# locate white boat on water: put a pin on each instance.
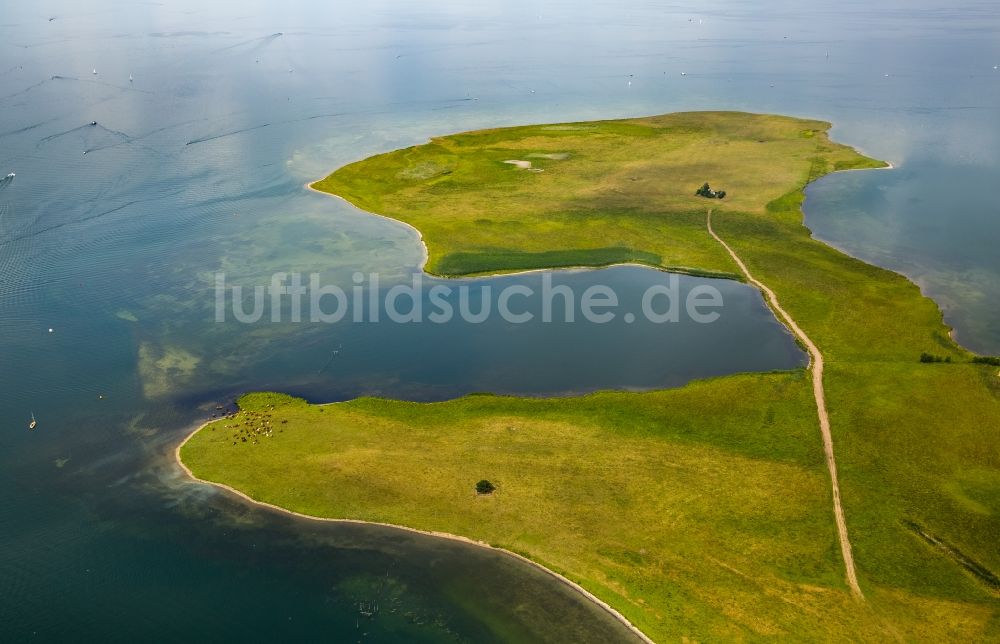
(33, 422)
(10, 175)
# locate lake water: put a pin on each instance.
(111, 233)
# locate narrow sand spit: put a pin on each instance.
(816, 366)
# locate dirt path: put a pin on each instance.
(816, 367)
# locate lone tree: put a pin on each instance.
(485, 487)
(706, 191)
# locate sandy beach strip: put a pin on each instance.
(440, 535)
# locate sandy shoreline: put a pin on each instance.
(420, 235)
(445, 535)
(888, 166)
(680, 270)
(951, 330)
(441, 535)
(422, 266)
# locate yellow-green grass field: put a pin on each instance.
(700, 512)
(608, 192)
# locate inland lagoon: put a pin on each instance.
(185, 156)
(609, 465)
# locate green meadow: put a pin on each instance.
(702, 512)
(595, 194)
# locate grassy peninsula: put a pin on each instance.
(700, 512)
(588, 194)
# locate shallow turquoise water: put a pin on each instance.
(110, 235)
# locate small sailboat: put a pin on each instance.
(33, 422)
(130, 78)
(95, 71)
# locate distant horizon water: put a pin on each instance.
(155, 145)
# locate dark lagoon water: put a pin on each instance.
(110, 236)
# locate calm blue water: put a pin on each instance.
(110, 235)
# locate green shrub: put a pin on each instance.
(706, 191)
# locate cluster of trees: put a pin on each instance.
(707, 192)
(485, 487)
(990, 360)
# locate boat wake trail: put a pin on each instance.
(140, 137)
(26, 89)
(225, 134)
(26, 128)
(62, 224)
(311, 117)
(51, 137)
(91, 130)
(261, 42)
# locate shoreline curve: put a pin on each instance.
(569, 583)
(425, 256)
(422, 266)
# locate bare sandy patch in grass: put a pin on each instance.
(524, 165)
